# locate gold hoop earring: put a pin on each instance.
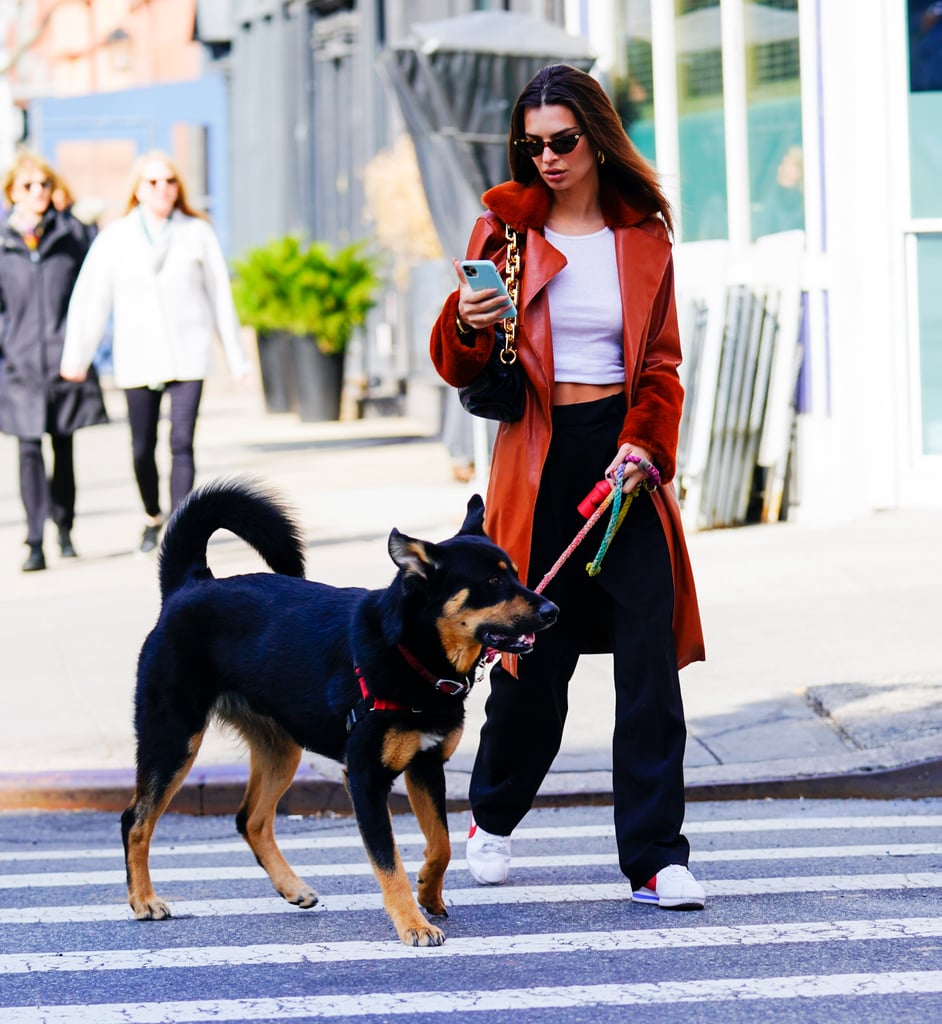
(600, 156)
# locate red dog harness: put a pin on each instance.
(450, 687)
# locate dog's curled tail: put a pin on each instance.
(245, 508)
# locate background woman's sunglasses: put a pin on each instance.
(534, 147)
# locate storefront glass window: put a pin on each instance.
(773, 97)
(701, 126)
(929, 262)
(925, 156)
(925, 106)
(633, 85)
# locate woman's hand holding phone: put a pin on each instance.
(482, 298)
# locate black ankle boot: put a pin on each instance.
(65, 543)
(36, 559)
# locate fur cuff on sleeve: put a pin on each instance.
(458, 358)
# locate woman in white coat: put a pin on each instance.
(161, 271)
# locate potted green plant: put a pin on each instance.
(305, 300)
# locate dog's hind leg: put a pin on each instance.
(160, 773)
(425, 784)
(274, 761)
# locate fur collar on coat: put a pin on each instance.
(528, 206)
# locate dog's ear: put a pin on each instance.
(474, 519)
(411, 555)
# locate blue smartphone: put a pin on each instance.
(483, 274)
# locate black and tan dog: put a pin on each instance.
(373, 679)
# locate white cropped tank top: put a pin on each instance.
(585, 310)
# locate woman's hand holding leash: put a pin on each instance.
(636, 469)
(639, 469)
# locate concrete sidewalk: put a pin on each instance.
(824, 675)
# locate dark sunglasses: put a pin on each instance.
(561, 145)
(154, 182)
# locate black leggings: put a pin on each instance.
(143, 416)
(626, 609)
(47, 498)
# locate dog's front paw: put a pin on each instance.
(430, 895)
(435, 906)
(422, 935)
(153, 909)
(304, 898)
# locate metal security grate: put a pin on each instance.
(742, 353)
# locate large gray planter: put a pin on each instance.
(276, 360)
(318, 379)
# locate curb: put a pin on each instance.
(219, 790)
(901, 782)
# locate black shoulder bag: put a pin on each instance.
(499, 390)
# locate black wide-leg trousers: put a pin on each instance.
(626, 609)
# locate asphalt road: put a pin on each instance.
(817, 911)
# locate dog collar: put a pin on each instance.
(450, 687)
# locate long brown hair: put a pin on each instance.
(137, 174)
(620, 163)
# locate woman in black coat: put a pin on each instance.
(41, 250)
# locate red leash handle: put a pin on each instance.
(594, 498)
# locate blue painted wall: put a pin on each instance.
(146, 116)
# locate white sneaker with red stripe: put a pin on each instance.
(672, 888)
(488, 856)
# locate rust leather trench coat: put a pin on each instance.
(652, 386)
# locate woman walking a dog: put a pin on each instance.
(162, 272)
(597, 341)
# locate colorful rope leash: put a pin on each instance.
(622, 504)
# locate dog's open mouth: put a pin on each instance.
(510, 643)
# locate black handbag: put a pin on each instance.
(499, 391)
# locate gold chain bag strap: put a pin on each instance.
(508, 354)
(499, 390)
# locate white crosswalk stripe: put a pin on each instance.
(574, 892)
(374, 1004)
(510, 945)
(73, 937)
(723, 826)
(73, 879)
